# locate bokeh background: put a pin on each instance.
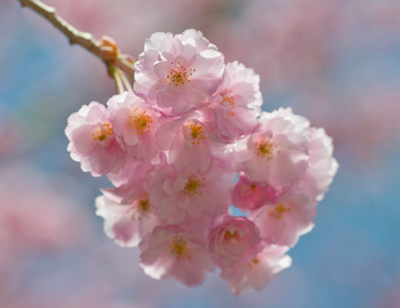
(337, 62)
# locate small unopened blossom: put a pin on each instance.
(177, 72)
(247, 195)
(254, 274)
(92, 140)
(237, 101)
(170, 253)
(135, 124)
(235, 239)
(283, 222)
(277, 152)
(322, 165)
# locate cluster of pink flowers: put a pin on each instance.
(173, 147)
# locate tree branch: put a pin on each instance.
(106, 49)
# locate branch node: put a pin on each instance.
(106, 49)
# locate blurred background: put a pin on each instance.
(336, 62)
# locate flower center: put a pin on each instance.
(231, 236)
(279, 211)
(141, 206)
(179, 248)
(140, 120)
(144, 204)
(254, 187)
(193, 185)
(253, 262)
(197, 132)
(102, 133)
(228, 102)
(179, 75)
(265, 148)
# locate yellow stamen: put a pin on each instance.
(102, 133)
(229, 100)
(265, 148)
(193, 185)
(253, 262)
(179, 75)
(228, 235)
(197, 131)
(179, 248)
(142, 206)
(279, 211)
(140, 120)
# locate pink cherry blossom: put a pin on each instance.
(235, 239)
(178, 194)
(283, 222)
(237, 101)
(92, 141)
(177, 72)
(322, 166)
(169, 253)
(135, 124)
(125, 174)
(256, 273)
(277, 151)
(188, 141)
(247, 195)
(127, 210)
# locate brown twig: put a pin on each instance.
(105, 50)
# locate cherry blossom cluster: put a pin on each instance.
(173, 149)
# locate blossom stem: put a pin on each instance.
(84, 39)
(119, 87)
(125, 80)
